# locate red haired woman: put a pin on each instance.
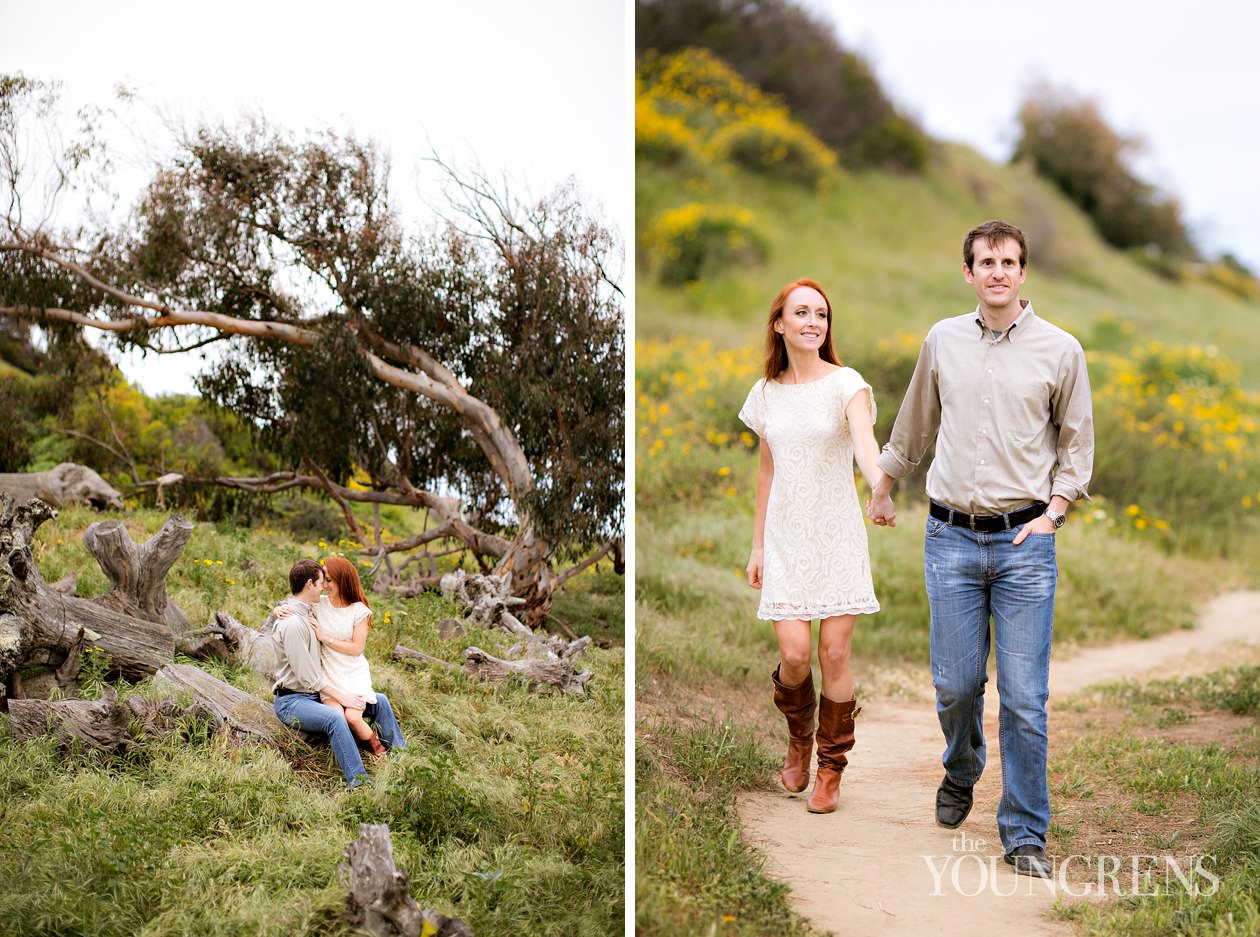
(809, 553)
(342, 620)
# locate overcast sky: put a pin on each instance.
(1184, 77)
(539, 91)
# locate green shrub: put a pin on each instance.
(893, 143)
(775, 146)
(696, 240)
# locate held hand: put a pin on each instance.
(754, 569)
(879, 508)
(1038, 525)
(349, 700)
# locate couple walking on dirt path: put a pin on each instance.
(1005, 397)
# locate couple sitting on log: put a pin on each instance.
(323, 684)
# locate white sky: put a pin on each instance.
(1183, 77)
(538, 91)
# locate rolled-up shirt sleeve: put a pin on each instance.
(1072, 412)
(918, 419)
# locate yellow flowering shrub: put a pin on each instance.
(1178, 441)
(696, 239)
(690, 101)
(775, 146)
(663, 139)
(690, 444)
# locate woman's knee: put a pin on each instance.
(834, 655)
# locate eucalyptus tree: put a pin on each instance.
(472, 366)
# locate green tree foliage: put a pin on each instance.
(790, 52)
(1068, 142)
(514, 300)
(482, 359)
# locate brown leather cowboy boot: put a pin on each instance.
(372, 745)
(835, 737)
(797, 703)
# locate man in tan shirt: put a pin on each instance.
(1005, 396)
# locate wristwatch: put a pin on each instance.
(1057, 519)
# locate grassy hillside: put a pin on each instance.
(1176, 515)
(888, 249)
(506, 809)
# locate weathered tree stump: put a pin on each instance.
(487, 597)
(93, 723)
(138, 571)
(40, 627)
(379, 899)
(550, 673)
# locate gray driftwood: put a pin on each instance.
(380, 901)
(137, 572)
(240, 716)
(94, 723)
(553, 672)
(42, 628)
(402, 652)
(68, 483)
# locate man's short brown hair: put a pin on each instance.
(304, 571)
(995, 232)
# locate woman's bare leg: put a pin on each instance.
(835, 639)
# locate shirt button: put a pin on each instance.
(988, 371)
(986, 399)
(982, 461)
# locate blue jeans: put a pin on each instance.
(972, 577)
(304, 711)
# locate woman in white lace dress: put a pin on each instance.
(809, 555)
(342, 620)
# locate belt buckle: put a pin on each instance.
(971, 522)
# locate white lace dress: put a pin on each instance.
(817, 562)
(347, 672)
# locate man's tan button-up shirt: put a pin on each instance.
(1012, 417)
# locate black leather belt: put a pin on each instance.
(284, 691)
(987, 523)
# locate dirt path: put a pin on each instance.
(881, 866)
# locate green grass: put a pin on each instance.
(703, 877)
(1197, 795)
(506, 809)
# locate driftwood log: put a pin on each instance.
(68, 483)
(187, 691)
(41, 629)
(98, 723)
(240, 716)
(551, 673)
(380, 901)
(544, 663)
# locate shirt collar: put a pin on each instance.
(1025, 315)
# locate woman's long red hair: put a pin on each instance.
(341, 571)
